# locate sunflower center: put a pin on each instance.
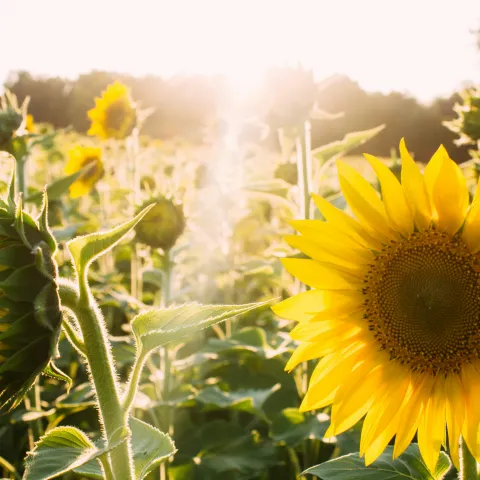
(116, 114)
(423, 302)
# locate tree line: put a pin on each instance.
(183, 106)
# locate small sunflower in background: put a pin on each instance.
(394, 313)
(79, 158)
(29, 123)
(115, 113)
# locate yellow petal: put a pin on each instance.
(354, 397)
(471, 230)
(415, 189)
(327, 234)
(394, 200)
(328, 375)
(433, 169)
(325, 331)
(470, 377)
(324, 252)
(381, 422)
(321, 276)
(313, 303)
(450, 197)
(455, 415)
(410, 413)
(371, 215)
(346, 224)
(431, 429)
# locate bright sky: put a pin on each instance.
(424, 47)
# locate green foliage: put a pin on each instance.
(62, 450)
(409, 466)
(156, 328)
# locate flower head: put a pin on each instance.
(162, 225)
(79, 158)
(394, 313)
(30, 315)
(12, 119)
(114, 115)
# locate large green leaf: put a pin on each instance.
(63, 449)
(149, 445)
(349, 142)
(408, 466)
(88, 248)
(291, 427)
(159, 327)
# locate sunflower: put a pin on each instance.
(394, 309)
(79, 158)
(114, 115)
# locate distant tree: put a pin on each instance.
(183, 105)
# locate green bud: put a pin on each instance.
(162, 225)
(30, 314)
(12, 119)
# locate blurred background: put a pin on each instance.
(402, 64)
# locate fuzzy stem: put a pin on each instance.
(166, 299)
(133, 382)
(103, 374)
(468, 464)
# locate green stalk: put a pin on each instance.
(468, 464)
(167, 367)
(103, 374)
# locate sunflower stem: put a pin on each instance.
(167, 367)
(102, 371)
(468, 464)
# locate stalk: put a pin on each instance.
(167, 367)
(103, 374)
(304, 166)
(468, 464)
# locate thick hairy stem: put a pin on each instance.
(468, 464)
(103, 374)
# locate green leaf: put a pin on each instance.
(150, 447)
(57, 188)
(86, 249)
(61, 450)
(156, 328)
(250, 400)
(408, 466)
(352, 140)
(291, 427)
(82, 396)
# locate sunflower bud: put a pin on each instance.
(162, 225)
(30, 315)
(11, 120)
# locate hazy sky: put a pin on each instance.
(424, 47)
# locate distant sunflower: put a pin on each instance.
(114, 115)
(395, 308)
(80, 157)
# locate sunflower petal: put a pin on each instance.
(455, 415)
(318, 275)
(431, 429)
(396, 205)
(450, 197)
(415, 189)
(471, 230)
(346, 224)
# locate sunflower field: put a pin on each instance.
(223, 310)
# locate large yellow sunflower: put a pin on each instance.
(114, 115)
(79, 158)
(394, 310)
